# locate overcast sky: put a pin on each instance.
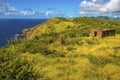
(58, 8)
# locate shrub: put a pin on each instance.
(52, 53)
(92, 41)
(17, 69)
(98, 61)
(70, 48)
(14, 68)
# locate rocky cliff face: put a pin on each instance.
(25, 31)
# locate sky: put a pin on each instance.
(58, 8)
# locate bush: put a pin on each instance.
(70, 48)
(98, 61)
(82, 41)
(14, 68)
(52, 53)
(93, 41)
(17, 70)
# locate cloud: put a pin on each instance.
(8, 10)
(27, 12)
(111, 6)
(52, 12)
(100, 7)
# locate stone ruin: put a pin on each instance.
(102, 33)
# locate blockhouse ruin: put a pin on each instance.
(102, 33)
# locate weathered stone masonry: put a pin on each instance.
(102, 33)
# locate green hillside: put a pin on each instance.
(61, 49)
(77, 26)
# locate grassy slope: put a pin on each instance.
(87, 62)
(59, 49)
(79, 25)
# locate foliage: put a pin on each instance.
(73, 26)
(14, 68)
(60, 49)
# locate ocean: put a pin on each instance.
(10, 27)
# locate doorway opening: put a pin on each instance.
(95, 34)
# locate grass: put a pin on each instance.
(61, 53)
(78, 64)
(98, 62)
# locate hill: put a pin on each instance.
(78, 26)
(107, 18)
(60, 49)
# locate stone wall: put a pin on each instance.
(102, 33)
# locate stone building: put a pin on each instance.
(102, 33)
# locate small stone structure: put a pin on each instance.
(102, 33)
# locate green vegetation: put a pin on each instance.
(60, 49)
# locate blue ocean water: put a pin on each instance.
(10, 27)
